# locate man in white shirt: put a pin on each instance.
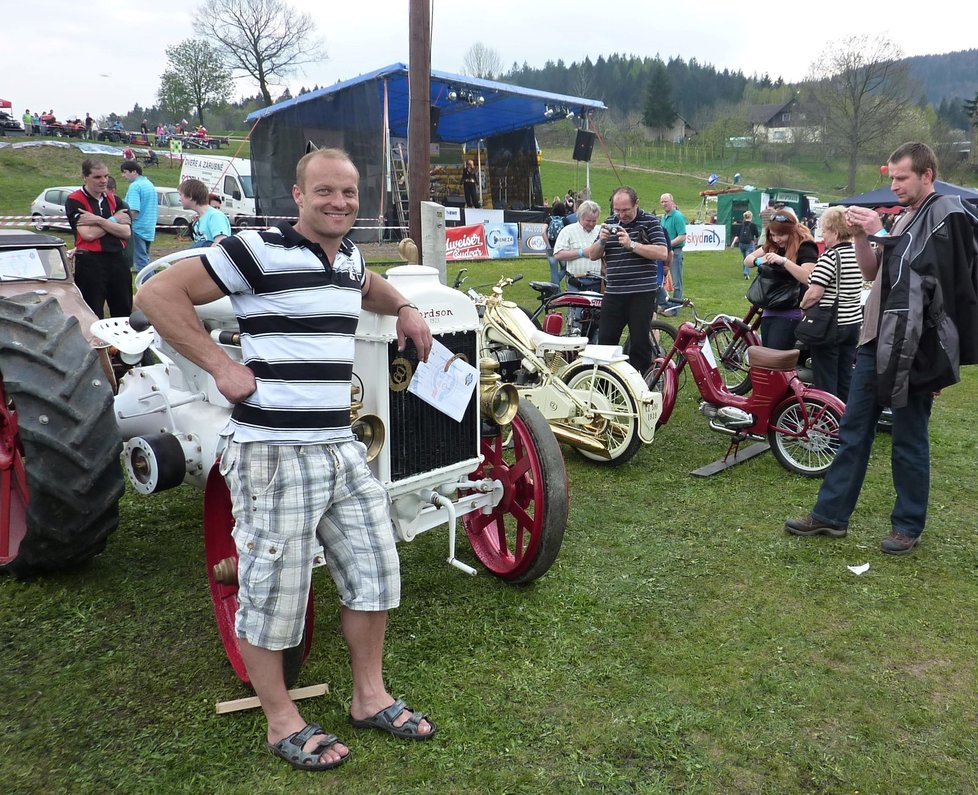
(572, 246)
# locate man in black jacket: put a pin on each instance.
(906, 286)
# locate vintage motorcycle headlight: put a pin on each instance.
(368, 428)
(500, 402)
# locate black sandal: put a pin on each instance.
(290, 749)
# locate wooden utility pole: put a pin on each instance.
(419, 113)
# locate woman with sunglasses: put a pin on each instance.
(789, 253)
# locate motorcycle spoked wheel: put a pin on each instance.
(520, 539)
(662, 335)
(617, 422)
(809, 454)
(218, 546)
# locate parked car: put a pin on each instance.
(171, 212)
(51, 202)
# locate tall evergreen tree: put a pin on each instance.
(660, 111)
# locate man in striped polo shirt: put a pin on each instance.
(295, 471)
(631, 241)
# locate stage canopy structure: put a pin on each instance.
(368, 117)
(884, 197)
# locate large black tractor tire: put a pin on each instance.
(67, 435)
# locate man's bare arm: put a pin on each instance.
(168, 299)
(380, 296)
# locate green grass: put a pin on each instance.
(682, 642)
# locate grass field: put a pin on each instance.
(682, 642)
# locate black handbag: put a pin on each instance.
(772, 288)
(818, 324)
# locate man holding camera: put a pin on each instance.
(630, 241)
(572, 247)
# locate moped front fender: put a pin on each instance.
(648, 404)
(801, 391)
(666, 385)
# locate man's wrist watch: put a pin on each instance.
(631, 245)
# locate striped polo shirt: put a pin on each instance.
(851, 281)
(297, 313)
(627, 271)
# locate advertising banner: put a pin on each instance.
(705, 237)
(533, 239)
(466, 243)
(503, 240)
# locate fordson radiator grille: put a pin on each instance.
(422, 438)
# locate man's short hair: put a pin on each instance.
(195, 190)
(628, 191)
(588, 207)
(213, 197)
(89, 164)
(921, 157)
(329, 154)
(131, 165)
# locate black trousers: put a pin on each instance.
(635, 311)
(104, 278)
(471, 195)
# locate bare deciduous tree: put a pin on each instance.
(863, 90)
(264, 39)
(482, 61)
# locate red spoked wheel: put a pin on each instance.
(520, 539)
(220, 552)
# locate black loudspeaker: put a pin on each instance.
(434, 114)
(583, 145)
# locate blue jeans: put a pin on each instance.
(745, 249)
(140, 252)
(677, 274)
(909, 461)
(557, 269)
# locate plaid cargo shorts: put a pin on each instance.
(283, 498)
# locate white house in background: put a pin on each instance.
(680, 130)
(785, 122)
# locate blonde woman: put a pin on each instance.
(836, 273)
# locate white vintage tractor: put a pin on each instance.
(499, 470)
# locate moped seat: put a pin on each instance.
(548, 342)
(545, 288)
(772, 359)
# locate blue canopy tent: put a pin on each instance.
(365, 115)
(884, 197)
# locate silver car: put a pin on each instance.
(50, 204)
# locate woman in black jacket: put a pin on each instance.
(788, 254)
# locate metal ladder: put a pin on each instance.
(400, 187)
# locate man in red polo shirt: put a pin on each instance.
(101, 223)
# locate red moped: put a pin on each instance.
(800, 423)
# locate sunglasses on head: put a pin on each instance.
(780, 218)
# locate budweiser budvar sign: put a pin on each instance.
(465, 243)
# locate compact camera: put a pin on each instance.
(612, 229)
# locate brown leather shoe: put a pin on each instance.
(810, 526)
(899, 544)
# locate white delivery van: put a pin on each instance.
(229, 178)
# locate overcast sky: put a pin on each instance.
(101, 56)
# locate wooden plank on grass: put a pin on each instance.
(252, 702)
